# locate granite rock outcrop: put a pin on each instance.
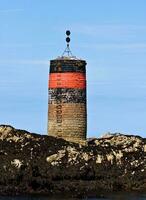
(33, 163)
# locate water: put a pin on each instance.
(115, 196)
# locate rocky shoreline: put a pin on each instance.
(32, 163)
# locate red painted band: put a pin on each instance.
(67, 80)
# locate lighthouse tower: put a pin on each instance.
(67, 113)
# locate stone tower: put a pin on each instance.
(67, 113)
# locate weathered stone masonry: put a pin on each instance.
(67, 115)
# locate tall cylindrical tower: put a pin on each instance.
(67, 114)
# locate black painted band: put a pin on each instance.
(65, 95)
(67, 66)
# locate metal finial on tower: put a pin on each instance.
(67, 50)
(68, 38)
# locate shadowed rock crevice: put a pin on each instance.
(32, 163)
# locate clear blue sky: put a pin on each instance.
(110, 35)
